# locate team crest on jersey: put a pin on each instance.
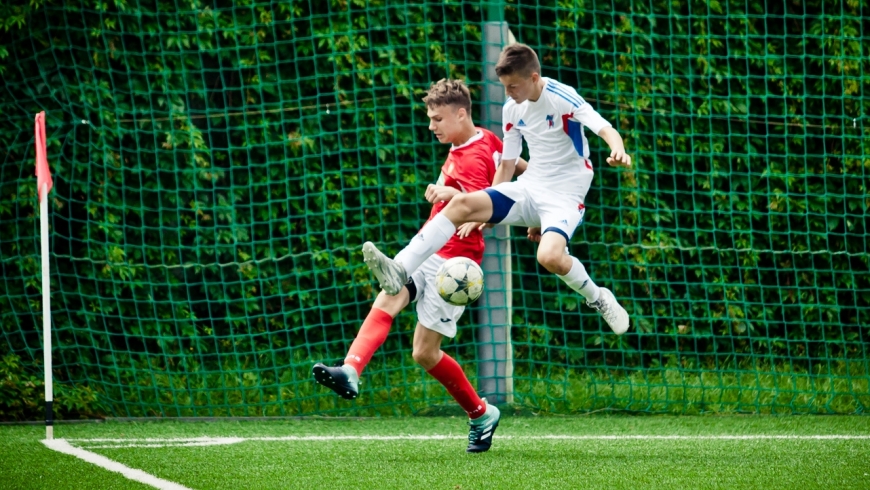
(550, 122)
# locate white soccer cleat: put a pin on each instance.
(389, 273)
(614, 314)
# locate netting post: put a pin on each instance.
(494, 352)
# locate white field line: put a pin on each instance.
(62, 446)
(215, 441)
(107, 443)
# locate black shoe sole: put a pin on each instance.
(322, 376)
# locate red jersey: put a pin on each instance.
(469, 167)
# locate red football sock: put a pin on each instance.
(448, 372)
(371, 335)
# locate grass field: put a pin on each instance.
(611, 452)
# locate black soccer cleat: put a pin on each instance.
(481, 431)
(336, 379)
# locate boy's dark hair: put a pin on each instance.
(449, 92)
(517, 59)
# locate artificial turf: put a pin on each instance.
(520, 457)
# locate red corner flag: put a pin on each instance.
(43, 174)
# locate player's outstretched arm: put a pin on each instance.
(618, 157)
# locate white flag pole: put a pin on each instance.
(46, 313)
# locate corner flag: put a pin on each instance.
(44, 184)
(43, 174)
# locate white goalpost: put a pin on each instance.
(494, 352)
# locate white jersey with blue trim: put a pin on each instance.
(553, 128)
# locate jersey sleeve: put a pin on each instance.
(513, 139)
(496, 143)
(590, 118)
(580, 110)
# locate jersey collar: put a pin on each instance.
(543, 89)
(476, 137)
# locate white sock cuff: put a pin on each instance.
(576, 268)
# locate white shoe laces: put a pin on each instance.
(605, 307)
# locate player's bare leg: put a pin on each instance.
(553, 256)
(465, 208)
(392, 274)
(427, 347)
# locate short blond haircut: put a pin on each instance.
(449, 92)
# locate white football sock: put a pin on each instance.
(431, 238)
(579, 281)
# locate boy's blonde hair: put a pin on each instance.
(449, 92)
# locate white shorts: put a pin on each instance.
(520, 203)
(432, 311)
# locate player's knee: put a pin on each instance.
(427, 358)
(459, 206)
(551, 260)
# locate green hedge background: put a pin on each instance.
(217, 167)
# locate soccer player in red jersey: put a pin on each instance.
(470, 166)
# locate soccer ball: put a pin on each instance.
(459, 281)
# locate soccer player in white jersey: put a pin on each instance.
(549, 197)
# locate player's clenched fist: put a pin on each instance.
(438, 193)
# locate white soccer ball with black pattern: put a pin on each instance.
(459, 281)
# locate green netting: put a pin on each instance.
(217, 167)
